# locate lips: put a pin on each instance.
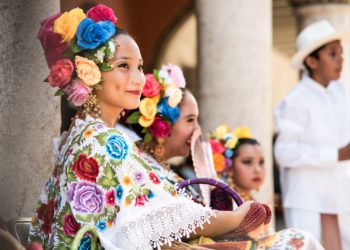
(134, 92)
(257, 179)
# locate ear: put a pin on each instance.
(312, 62)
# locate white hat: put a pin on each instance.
(312, 37)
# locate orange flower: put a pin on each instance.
(219, 162)
(67, 24)
(87, 71)
(145, 122)
(88, 132)
(126, 180)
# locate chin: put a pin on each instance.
(132, 105)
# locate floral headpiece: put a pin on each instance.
(77, 48)
(158, 108)
(223, 143)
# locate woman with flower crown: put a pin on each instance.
(100, 179)
(168, 132)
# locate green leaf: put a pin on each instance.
(84, 218)
(66, 239)
(133, 118)
(70, 174)
(130, 197)
(108, 179)
(155, 73)
(87, 150)
(100, 159)
(73, 45)
(59, 92)
(145, 192)
(102, 138)
(142, 162)
(148, 137)
(105, 66)
(66, 210)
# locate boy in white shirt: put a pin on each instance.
(312, 147)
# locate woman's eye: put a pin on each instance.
(247, 162)
(140, 68)
(123, 65)
(262, 163)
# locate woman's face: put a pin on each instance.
(122, 87)
(179, 141)
(249, 167)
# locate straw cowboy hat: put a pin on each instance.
(313, 37)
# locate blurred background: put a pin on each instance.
(234, 53)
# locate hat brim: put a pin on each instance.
(299, 56)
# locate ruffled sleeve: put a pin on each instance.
(109, 185)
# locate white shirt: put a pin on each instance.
(312, 123)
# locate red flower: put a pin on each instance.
(141, 200)
(160, 128)
(110, 197)
(61, 73)
(297, 243)
(101, 12)
(154, 178)
(216, 146)
(86, 168)
(70, 225)
(46, 214)
(152, 86)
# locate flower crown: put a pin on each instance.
(223, 143)
(77, 48)
(160, 98)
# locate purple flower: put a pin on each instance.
(139, 177)
(86, 197)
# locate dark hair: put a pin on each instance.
(241, 142)
(315, 54)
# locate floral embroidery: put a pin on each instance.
(139, 177)
(140, 200)
(116, 147)
(88, 132)
(126, 180)
(86, 168)
(101, 226)
(86, 197)
(119, 192)
(110, 197)
(70, 225)
(154, 178)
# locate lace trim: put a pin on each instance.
(161, 227)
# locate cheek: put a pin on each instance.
(242, 175)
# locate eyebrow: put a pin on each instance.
(126, 58)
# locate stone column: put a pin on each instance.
(29, 112)
(234, 60)
(338, 14)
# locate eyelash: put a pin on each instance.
(125, 65)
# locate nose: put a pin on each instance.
(138, 78)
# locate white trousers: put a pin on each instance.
(311, 221)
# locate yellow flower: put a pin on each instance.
(221, 131)
(148, 108)
(231, 143)
(268, 240)
(144, 122)
(242, 132)
(175, 96)
(126, 180)
(219, 162)
(66, 25)
(88, 132)
(87, 71)
(155, 99)
(127, 202)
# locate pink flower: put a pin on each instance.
(101, 12)
(70, 225)
(61, 73)
(141, 200)
(160, 128)
(110, 197)
(152, 86)
(216, 146)
(175, 73)
(50, 41)
(77, 92)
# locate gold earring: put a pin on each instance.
(91, 107)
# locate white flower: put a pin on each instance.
(100, 54)
(111, 47)
(164, 77)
